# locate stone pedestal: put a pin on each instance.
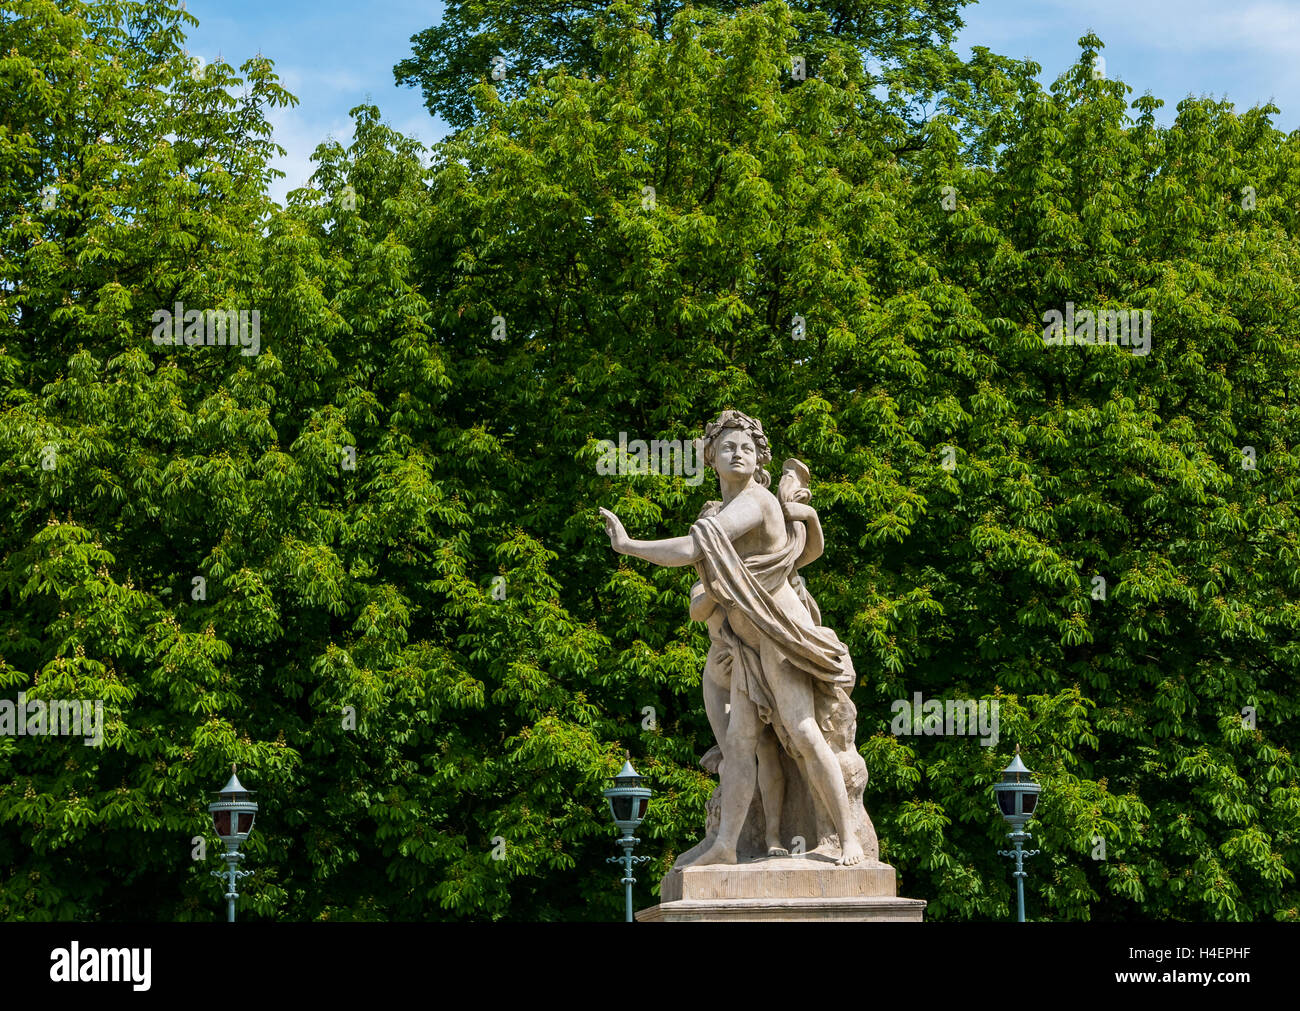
(810, 887)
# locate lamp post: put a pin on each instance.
(232, 817)
(1017, 797)
(628, 800)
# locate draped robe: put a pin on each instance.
(746, 586)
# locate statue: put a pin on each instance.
(776, 682)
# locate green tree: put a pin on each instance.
(510, 43)
(412, 633)
(132, 180)
(924, 314)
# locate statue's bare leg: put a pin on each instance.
(792, 692)
(771, 787)
(738, 780)
(717, 692)
(828, 784)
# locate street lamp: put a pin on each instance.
(628, 800)
(232, 817)
(1017, 797)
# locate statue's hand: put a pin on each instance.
(798, 511)
(618, 538)
(702, 605)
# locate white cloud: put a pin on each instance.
(1187, 26)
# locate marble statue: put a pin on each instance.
(776, 681)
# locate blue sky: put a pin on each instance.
(334, 55)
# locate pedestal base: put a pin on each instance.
(808, 887)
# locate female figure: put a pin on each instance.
(778, 657)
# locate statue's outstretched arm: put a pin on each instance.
(740, 517)
(671, 551)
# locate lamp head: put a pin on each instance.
(233, 812)
(628, 799)
(1017, 793)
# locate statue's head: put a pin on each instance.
(735, 444)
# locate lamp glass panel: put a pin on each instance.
(1030, 802)
(221, 822)
(1007, 802)
(640, 812)
(622, 808)
(245, 823)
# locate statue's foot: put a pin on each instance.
(777, 851)
(716, 854)
(850, 854)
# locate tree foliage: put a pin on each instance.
(412, 634)
(906, 43)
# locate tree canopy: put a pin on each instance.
(366, 562)
(905, 41)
